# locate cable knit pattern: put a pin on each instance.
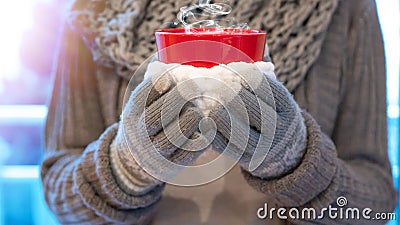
(124, 31)
(296, 31)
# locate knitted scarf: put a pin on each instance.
(120, 33)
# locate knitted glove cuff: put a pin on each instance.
(130, 176)
(95, 175)
(314, 174)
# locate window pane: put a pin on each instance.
(389, 16)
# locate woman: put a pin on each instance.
(332, 138)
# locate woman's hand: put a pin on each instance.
(262, 125)
(160, 129)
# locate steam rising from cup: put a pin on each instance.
(208, 15)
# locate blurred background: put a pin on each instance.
(27, 46)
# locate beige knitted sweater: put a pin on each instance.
(346, 154)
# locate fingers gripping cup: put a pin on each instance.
(207, 47)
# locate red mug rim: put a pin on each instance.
(209, 31)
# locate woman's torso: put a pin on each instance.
(230, 200)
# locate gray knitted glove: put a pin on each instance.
(269, 105)
(152, 119)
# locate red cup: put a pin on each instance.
(207, 47)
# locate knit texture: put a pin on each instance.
(122, 31)
(154, 118)
(346, 142)
(323, 169)
(276, 127)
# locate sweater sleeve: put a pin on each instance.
(353, 162)
(78, 181)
